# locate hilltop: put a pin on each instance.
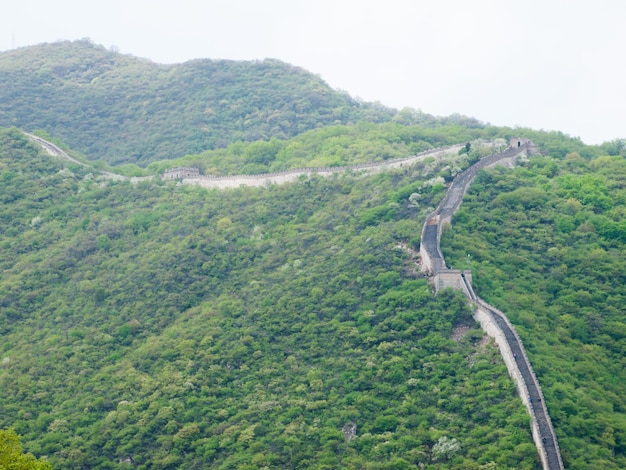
(124, 109)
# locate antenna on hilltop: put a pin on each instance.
(13, 42)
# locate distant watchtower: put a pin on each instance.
(180, 173)
(518, 141)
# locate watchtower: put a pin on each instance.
(181, 173)
(518, 141)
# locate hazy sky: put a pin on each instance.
(545, 64)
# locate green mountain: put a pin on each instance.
(123, 109)
(175, 327)
(156, 325)
(164, 326)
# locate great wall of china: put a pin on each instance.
(192, 176)
(235, 181)
(492, 321)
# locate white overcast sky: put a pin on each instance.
(546, 64)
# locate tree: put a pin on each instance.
(11, 455)
(445, 448)
(614, 147)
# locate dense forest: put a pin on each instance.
(159, 325)
(155, 325)
(167, 326)
(122, 109)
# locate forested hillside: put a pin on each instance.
(161, 326)
(547, 246)
(155, 325)
(338, 145)
(123, 109)
(346, 145)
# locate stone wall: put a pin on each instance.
(430, 252)
(492, 321)
(498, 326)
(235, 181)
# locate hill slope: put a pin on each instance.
(174, 327)
(548, 247)
(122, 109)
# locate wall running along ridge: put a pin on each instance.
(492, 321)
(235, 181)
(263, 179)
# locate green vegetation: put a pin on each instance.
(547, 243)
(163, 326)
(122, 109)
(11, 456)
(175, 327)
(327, 147)
(343, 145)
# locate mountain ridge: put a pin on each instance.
(177, 327)
(124, 109)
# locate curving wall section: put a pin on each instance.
(235, 181)
(492, 321)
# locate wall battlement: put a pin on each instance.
(455, 279)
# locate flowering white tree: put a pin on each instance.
(445, 448)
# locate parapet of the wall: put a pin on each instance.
(483, 315)
(425, 261)
(509, 161)
(489, 326)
